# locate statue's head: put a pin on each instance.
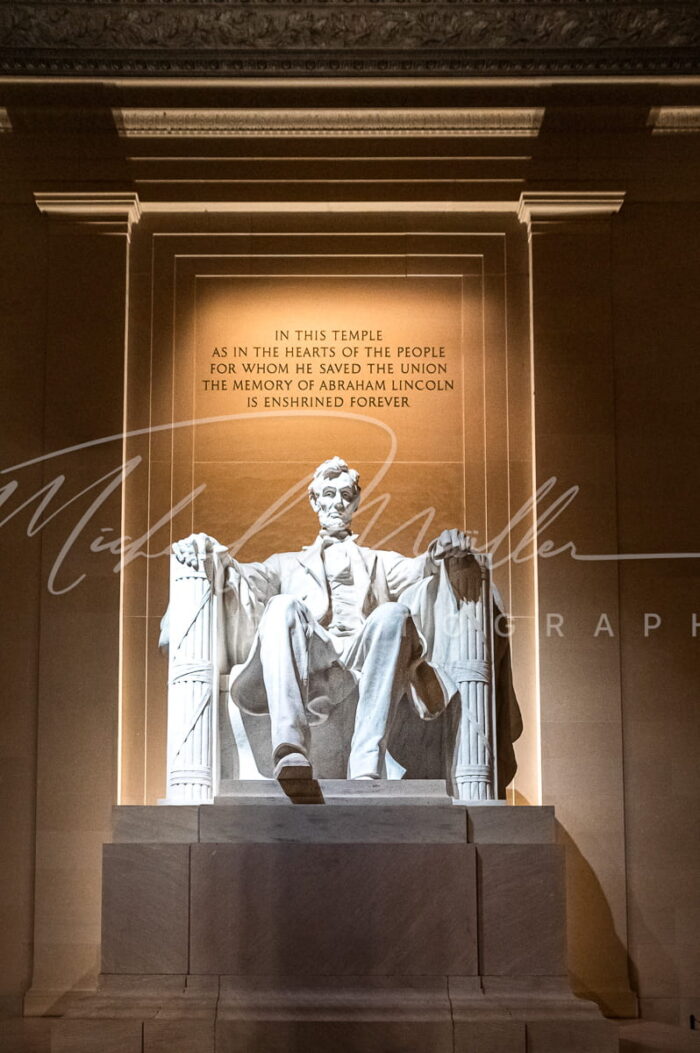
(334, 493)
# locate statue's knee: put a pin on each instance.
(283, 610)
(390, 616)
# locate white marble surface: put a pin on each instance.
(23, 1035)
(490, 1036)
(247, 816)
(145, 889)
(518, 1014)
(522, 910)
(160, 985)
(341, 791)
(646, 1036)
(336, 909)
(342, 823)
(341, 1036)
(504, 825)
(567, 1036)
(299, 942)
(522, 991)
(342, 1014)
(162, 823)
(346, 1014)
(178, 1036)
(96, 1036)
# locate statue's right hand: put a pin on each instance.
(193, 550)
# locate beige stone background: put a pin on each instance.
(93, 327)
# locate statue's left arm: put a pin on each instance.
(404, 571)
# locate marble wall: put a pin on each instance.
(657, 378)
(23, 286)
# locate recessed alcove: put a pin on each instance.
(428, 458)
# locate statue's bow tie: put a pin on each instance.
(334, 539)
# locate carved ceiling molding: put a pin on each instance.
(179, 123)
(97, 212)
(349, 37)
(547, 210)
(675, 120)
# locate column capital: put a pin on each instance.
(548, 209)
(97, 212)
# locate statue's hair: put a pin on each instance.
(329, 470)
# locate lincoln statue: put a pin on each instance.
(311, 628)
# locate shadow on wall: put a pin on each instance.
(655, 955)
(599, 964)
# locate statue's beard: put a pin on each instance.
(334, 522)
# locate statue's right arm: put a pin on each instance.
(192, 551)
(245, 588)
(261, 578)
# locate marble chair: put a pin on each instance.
(212, 742)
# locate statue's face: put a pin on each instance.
(335, 502)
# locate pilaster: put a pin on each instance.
(78, 723)
(579, 675)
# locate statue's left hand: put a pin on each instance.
(451, 544)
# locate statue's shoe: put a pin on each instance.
(295, 775)
(293, 766)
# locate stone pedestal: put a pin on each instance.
(389, 919)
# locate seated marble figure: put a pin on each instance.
(307, 631)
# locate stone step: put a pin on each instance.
(351, 819)
(233, 1014)
(340, 791)
(645, 1036)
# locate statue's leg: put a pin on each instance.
(284, 656)
(383, 654)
